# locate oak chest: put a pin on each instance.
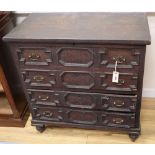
(67, 63)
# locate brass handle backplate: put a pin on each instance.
(43, 97)
(38, 78)
(47, 114)
(34, 57)
(119, 59)
(118, 103)
(118, 120)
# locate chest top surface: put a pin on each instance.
(114, 28)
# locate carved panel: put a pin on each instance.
(51, 114)
(124, 103)
(43, 97)
(118, 120)
(34, 56)
(80, 100)
(126, 57)
(72, 79)
(71, 56)
(39, 78)
(127, 82)
(82, 117)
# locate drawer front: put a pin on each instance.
(107, 102)
(98, 118)
(34, 56)
(48, 113)
(122, 103)
(79, 80)
(85, 57)
(118, 120)
(44, 79)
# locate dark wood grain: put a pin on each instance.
(111, 28)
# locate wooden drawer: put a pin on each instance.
(44, 79)
(79, 81)
(97, 118)
(48, 113)
(118, 120)
(34, 56)
(81, 57)
(107, 102)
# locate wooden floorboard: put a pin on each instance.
(80, 136)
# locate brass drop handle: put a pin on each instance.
(43, 97)
(118, 103)
(38, 78)
(120, 82)
(118, 120)
(119, 59)
(34, 56)
(48, 114)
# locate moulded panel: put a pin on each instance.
(80, 100)
(127, 58)
(39, 78)
(70, 56)
(127, 82)
(118, 120)
(82, 117)
(29, 56)
(79, 80)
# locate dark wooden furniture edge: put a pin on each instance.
(16, 122)
(68, 41)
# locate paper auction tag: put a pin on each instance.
(115, 76)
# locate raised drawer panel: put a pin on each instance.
(39, 79)
(38, 97)
(80, 100)
(127, 82)
(123, 103)
(118, 120)
(48, 113)
(79, 80)
(126, 58)
(97, 118)
(75, 57)
(34, 56)
(107, 102)
(82, 117)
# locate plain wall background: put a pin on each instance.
(149, 72)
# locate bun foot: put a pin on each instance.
(40, 128)
(134, 135)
